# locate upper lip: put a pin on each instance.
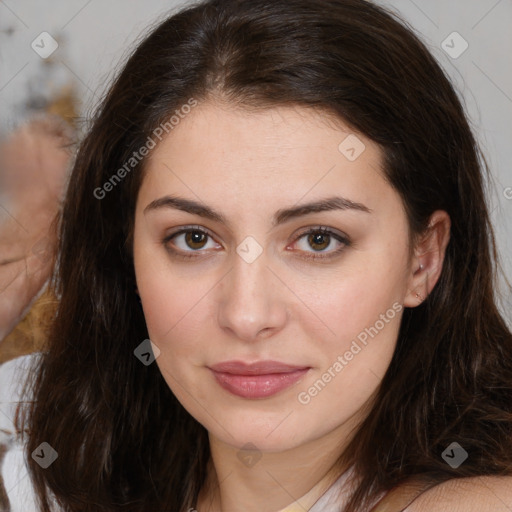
(257, 368)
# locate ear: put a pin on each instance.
(428, 259)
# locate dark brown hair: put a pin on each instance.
(123, 439)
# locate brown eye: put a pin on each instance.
(319, 241)
(195, 239)
(189, 242)
(315, 243)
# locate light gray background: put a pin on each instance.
(94, 35)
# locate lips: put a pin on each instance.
(258, 368)
(256, 380)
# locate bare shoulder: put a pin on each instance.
(476, 494)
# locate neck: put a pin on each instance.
(254, 481)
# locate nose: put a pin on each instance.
(252, 302)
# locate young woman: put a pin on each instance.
(276, 280)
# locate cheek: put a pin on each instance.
(176, 319)
(172, 305)
(363, 313)
(358, 299)
(178, 312)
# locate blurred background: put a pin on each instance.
(60, 56)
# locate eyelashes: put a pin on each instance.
(317, 236)
(190, 236)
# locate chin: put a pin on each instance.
(267, 432)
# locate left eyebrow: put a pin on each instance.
(281, 216)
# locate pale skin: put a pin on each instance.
(215, 306)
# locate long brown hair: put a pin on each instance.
(124, 442)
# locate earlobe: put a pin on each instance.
(419, 290)
(428, 260)
(418, 294)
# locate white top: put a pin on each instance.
(338, 494)
(13, 470)
(334, 497)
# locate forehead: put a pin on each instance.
(282, 154)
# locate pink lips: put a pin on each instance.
(256, 380)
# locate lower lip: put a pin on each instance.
(258, 386)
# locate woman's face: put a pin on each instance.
(227, 272)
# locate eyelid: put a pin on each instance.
(323, 229)
(184, 229)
